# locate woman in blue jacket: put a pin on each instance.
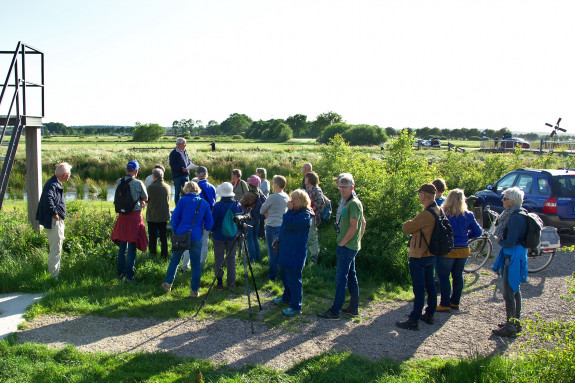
(192, 213)
(292, 249)
(510, 231)
(465, 227)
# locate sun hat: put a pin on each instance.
(226, 190)
(254, 180)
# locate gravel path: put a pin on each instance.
(229, 341)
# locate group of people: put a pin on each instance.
(510, 231)
(291, 234)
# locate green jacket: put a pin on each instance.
(158, 202)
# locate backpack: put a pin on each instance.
(441, 241)
(534, 227)
(325, 212)
(229, 228)
(123, 201)
(256, 211)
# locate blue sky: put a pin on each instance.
(449, 64)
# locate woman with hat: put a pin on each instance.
(225, 245)
(249, 202)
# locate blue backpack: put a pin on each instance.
(325, 212)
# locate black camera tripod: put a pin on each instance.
(240, 241)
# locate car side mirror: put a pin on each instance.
(489, 187)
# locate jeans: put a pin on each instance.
(178, 184)
(55, 239)
(512, 298)
(272, 233)
(195, 250)
(313, 244)
(252, 239)
(421, 270)
(155, 228)
(221, 250)
(445, 267)
(345, 277)
(293, 286)
(126, 265)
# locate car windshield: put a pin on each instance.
(564, 186)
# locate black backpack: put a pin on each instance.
(441, 242)
(534, 227)
(123, 201)
(261, 199)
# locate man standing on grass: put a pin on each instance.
(181, 165)
(305, 169)
(51, 213)
(350, 228)
(129, 231)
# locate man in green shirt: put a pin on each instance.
(350, 228)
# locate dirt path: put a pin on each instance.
(229, 341)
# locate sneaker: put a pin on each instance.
(454, 307)
(289, 311)
(167, 287)
(194, 294)
(131, 280)
(408, 325)
(278, 301)
(184, 270)
(508, 330)
(443, 309)
(427, 318)
(219, 287)
(350, 312)
(328, 315)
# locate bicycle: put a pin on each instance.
(481, 247)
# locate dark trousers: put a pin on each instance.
(155, 228)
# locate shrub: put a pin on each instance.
(334, 129)
(365, 135)
(237, 137)
(148, 132)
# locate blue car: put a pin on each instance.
(549, 193)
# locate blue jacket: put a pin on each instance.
(465, 227)
(208, 192)
(219, 212)
(177, 163)
(517, 265)
(51, 202)
(516, 231)
(293, 236)
(183, 216)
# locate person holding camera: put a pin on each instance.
(249, 202)
(292, 250)
(222, 244)
(350, 228)
(193, 214)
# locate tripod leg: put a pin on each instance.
(244, 252)
(255, 286)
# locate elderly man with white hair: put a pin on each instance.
(51, 213)
(510, 231)
(181, 165)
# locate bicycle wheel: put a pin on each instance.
(539, 261)
(480, 251)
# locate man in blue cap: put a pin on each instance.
(129, 231)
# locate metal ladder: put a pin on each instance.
(12, 124)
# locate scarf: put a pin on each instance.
(503, 220)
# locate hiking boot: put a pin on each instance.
(508, 330)
(427, 318)
(328, 315)
(454, 307)
(131, 280)
(443, 309)
(167, 287)
(516, 323)
(278, 301)
(219, 287)
(350, 312)
(290, 311)
(194, 294)
(408, 325)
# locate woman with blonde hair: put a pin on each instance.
(465, 227)
(292, 249)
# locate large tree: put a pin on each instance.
(298, 124)
(235, 124)
(324, 120)
(147, 132)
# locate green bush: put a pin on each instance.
(148, 132)
(332, 130)
(365, 135)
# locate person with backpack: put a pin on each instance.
(511, 230)
(316, 196)
(350, 229)
(208, 193)
(251, 203)
(421, 260)
(465, 227)
(273, 209)
(224, 233)
(129, 231)
(265, 189)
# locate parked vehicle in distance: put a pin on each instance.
(510, 143)
(433, 142)
(549, 193)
